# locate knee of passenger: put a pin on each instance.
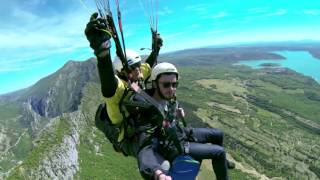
(219, 135)
(219, 152)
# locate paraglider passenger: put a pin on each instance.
(114, 88)
(199, 143)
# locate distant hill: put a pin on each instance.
(270, 118)
(227, 55)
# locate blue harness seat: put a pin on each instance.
(184, 167)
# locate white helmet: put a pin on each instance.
(163, 68)
(132, 58)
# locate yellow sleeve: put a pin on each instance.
(113, 107)
(113, 102)
(146, 70)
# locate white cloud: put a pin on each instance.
(20, 64)
(258, 13)
(23, 15)
(278, 12)
(268, 35)
(219, 15)
(35, 2)
(259, 10)
(200, 9)
(5, 68)
(29, 59)
(197, 7)
(173, 36)
(30, 38)
(194, 26)
(314, 12)
(58, 31)
(165, 11)
(219, 31)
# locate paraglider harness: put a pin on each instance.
(174, 145)
(172, 137)
(110, 130)
(136, 103)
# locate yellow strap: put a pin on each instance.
(106, 31)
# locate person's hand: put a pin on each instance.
(98, 35)
(135, 86)
(180, 113)
(157, 41)
(159, 175)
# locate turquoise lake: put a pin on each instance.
(299, 61)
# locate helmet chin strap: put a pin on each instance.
(160, 94)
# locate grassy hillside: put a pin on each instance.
(14, 139)
(98, 160)
(270, 124)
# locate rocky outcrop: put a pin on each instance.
(62, 91)
(43, 103)
(62, 161)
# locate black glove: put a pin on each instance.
(98, 34)
(156, 41)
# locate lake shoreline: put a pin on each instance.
(303, 62)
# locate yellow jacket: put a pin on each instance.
(113, 103)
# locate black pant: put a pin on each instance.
(129, 147)
(204, 143)
(207, 143)
(149, 160)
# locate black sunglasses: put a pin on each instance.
(169, 84)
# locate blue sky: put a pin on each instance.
(38, 36)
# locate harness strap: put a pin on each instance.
(152, 101)
(122, 111)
